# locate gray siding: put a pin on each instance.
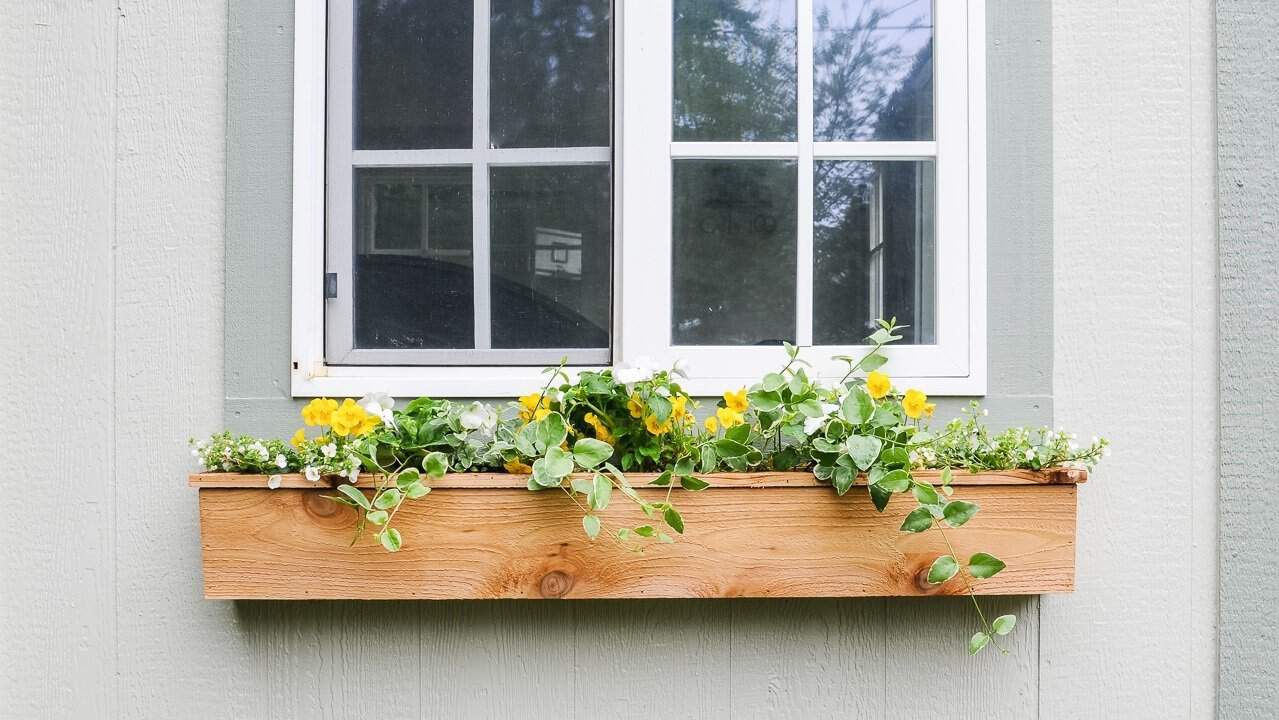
(1248, 183)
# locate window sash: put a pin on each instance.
(644, 151)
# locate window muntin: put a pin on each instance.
(954, 361)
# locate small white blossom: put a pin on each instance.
(381, 405)
(312, 473)
(281, 461)
(274, 481)
(1030, 454)
(329, 450)
(479, 416)
(984, 412)
(642, 370)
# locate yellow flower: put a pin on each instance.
(654, 427)
(536, 407)
(914, 403)
(679, 409)
(878, 384)
(635, 407)
(601, 430)
(319, 411)
(298, 438)
(728, 417)
(348, 418)
(736, 401)
(518, 468)
(370, 421)
(712, 425)
(929, 409)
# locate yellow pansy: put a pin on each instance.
(298, 438)
(712, 425)
(929, 409)
(370, 421)
(517, 468)
(348, 418)
(914, 403)
(635, 406)
(319, 411)
(679, 409)
(536, 407)
(656, 428)
(728, 417)
(601, 430)
(878, 384)
(736, 401)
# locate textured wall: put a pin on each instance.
(1136, 350)
(118, 135)
(1248, 186)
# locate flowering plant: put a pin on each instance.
(582, 435)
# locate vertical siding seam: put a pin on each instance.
(113, 703)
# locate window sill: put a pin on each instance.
(484, 536)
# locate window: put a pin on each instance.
(484, 187)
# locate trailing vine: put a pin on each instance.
(581, 435)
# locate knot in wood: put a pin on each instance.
(556, 584)
(318, 505)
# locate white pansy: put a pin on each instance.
(353, 475)
(479, 416)
(281, 461)
(329, 450)
(312, 473)
(680, 368)
(381, 405)
(274, 481)
(642, 370)
(1030, 454)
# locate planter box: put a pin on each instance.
(484, 536)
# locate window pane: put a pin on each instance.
(413, 74)
(550, 73)
(734, 252)
(551, 257)
(413, 284)
(873, 249)
(873, 70)
(735, 77)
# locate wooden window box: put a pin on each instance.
(484, 536)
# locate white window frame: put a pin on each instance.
(644, 151)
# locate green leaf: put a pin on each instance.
(857, 407)
(811, 408)
(773, 382)
(377, 517)
(738, 433)
(436, 464)
(663, 537)
(550, 470)
(880, 497)
(388, 499)
(582, 485)
(693, 484)
(874, 361)
(863, 449)
(983, 565)
(765, 401)
(645, 531)
(1004, 624)
(662, 480)
(417, 490)
(660, 407)
(895, 456)
(526, 441)
(589, 452)
(727, 448)
(684, 466)
(672, 518)
(709, 459)
(946, 476)
(407, 478)
(977, 642)
(924, 493)
(601, 493)
(356, 496)
(391, 539)
(551, 431)
(884, 417)
(843, 479)
(895, 481)
(943, 569)
(591, 524)
(959, 512)
(918, 521)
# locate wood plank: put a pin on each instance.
(1051, 476)
(740, 542)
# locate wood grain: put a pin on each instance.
(487, 543)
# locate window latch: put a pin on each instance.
(330, 286)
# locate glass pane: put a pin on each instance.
(413, 74)
(550, 73)
(413, 284)
(873, 70)
(873, 249)
(735, 77)
(552, 247)
(734, 252)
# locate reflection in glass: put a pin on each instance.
(550, 73)
(413, 74)
(873, 249)
(551, 256)
(873, 70)
(413, 284)
(733, 271)
(735, 76)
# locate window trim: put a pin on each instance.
(955, 366)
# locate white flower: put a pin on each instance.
(812, 425)
(642, 370)
(1030, 454)
(329, 450)
(312, 473)
(479, 417)
(202, 444)
(984, 412)
(381, 405)
(274, 481)
(281, 461)
(195, 453)
(353, 475)
(680, 368)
